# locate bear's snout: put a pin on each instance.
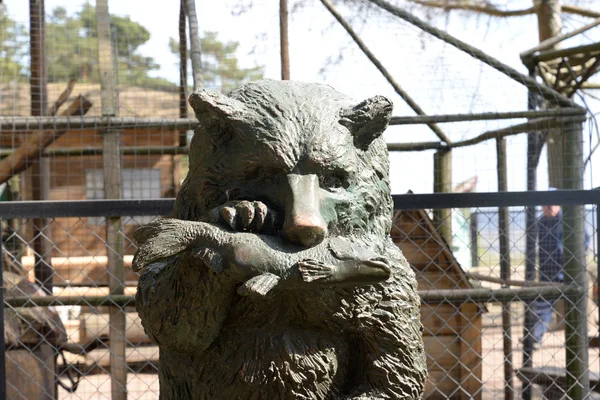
(303, 223)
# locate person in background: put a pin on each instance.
(550, 258)
(550, 248)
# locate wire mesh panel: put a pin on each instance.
(468, 343)
(60, 349)
(502, 303)
(476, 320)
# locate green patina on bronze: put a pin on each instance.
(276, 277)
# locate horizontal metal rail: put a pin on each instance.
(17, 123)
(9, 124)
(424, 119)
(478, 295)
(52, 301)
(97, 151)
(85, 208)
(483, 295)
(495, 199)
(115, 208)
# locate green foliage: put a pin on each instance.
(13, 50)
(219, 63)
(73, 53)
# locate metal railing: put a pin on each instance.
(576, 368)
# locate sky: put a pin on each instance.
(442, 79)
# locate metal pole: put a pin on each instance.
(548, 93)
(437, 296)
(3, 358)
(386, 74)
(578, 383)
(503, 234)
(111, 158)
(530, 242)
(93, 124)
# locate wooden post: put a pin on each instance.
(39, 173)
(578, 381)
(473, 229)
(177, 160)
(183, 108)
(503, 234)
(442, 183)
(195, 48)
(471, 364)
(112, 190)
(549, 25)
(284, 40)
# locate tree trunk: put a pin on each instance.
(549, 25)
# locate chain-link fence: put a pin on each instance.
(479, 298)
(69, 134)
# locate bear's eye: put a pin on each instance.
(334, 181)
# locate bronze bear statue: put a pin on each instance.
(276, 277)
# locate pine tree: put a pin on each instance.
(13, 50)
(220, 67)
(72, 48)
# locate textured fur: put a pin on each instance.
(334, 342)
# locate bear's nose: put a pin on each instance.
(303, 223)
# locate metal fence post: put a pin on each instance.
(576, 341)
(3, 358)
(503, 234)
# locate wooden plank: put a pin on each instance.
(97, 326)
(443, 352)
(440, 385)
(434, 280)
(439, 319)
(408, 224)
(471, 366)
(424, 255)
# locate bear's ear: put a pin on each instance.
(367, 120)
(214, 110)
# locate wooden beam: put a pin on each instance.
(569, 51)
(284, 40)
(536, 124)
(111, 159)
(39, 175)
(33, 146)
(64, 96)
(550, 42)
(442, 183)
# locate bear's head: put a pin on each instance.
(303, 149)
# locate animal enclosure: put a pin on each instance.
(465, 115)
